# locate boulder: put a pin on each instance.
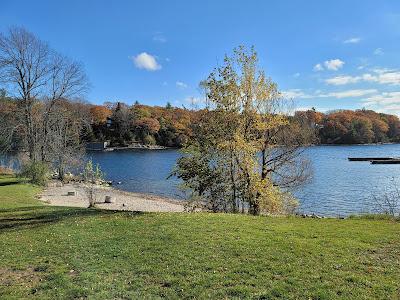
(109, 199)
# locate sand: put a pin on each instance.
(57, 195)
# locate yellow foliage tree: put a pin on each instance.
(244, 120)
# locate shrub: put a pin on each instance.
(37, 172)
(91, 176)
(149, 140)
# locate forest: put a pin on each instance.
(122, 124)
(353, 127)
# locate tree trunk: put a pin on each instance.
(234, 204)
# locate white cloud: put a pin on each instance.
(296, 75)
(341, 80)
(296, 94)
(382, 70)
(351, 93)
(381, 76)
(391, 77)
(353, 40)
(146, 61)
(181, 85)
(334, 64)
(383, 99)
(318, 67)
(391, 109)
(299, 94)
(379, 51)
(386, 102)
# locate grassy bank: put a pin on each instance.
(55, 252)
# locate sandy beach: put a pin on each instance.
(57, 195)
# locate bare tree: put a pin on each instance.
(64, 127)
(40, 79)
(66, 80)
(24, 65)
(388, 201)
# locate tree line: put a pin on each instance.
(353, 127)
(123, 124)
(170, 126)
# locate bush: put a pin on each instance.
(37, 172)
(149, 140)
(92, 176)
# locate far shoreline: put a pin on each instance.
(160, 147)
(133, 147)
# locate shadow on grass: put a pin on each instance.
(28, 217)
(11, 182)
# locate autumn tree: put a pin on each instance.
(245, 118)
(146, 127)
(99, 114)
(394, 128)
(359, 126)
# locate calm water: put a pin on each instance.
(338, 187)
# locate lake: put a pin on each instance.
(338, 187)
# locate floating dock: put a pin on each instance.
(370, 158)
(377, 160)
(386, 162)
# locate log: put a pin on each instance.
(71, 193)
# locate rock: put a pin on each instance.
(109, 199)
(119, 182)
(71, 193)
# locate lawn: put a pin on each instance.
(63, 253)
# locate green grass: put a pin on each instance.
(63, 253)
(14, 194)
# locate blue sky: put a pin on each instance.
(326, 54)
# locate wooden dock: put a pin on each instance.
(377, 160)
(370, 158)
(386, 162)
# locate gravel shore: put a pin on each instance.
(57, 195)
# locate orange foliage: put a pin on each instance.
(99, 114)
